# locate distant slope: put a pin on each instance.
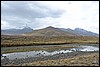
(50, 31)
(16, 31)
(85, 32)
(80, 32)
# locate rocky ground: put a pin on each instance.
(68, 59)
(83, 60)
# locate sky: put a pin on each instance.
(41, 14)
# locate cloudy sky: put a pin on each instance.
(40, 14)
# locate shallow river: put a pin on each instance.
(19, 55)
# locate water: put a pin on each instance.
(86, 48)
(19, 55)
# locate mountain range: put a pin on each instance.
(16, 31)
(80, 32)
(49, 31)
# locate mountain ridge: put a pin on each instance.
(81, 32)
(50, 31)
(16, 31)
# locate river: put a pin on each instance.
(19, 55)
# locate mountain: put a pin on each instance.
(81, 32)
(50, 31)
(85, 32)
(16, 31)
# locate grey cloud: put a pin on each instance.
(27, 10)
(20, 13)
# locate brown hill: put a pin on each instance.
(49, 31)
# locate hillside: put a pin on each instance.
(50, 31)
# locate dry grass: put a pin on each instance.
(7, 40)
(85, 60)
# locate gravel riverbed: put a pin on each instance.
(8, 62)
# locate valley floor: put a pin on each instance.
(9, 41)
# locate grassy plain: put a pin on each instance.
(8, 40)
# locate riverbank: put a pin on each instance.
(48, 48)
(66, 59)
(81, 60)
